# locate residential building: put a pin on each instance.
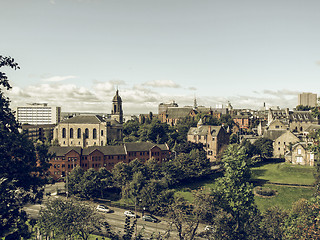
(213, 138)
(38, 113)
(66, 158)
(307, 99)
(300, 154)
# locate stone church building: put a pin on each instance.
(91, 130)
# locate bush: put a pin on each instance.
(264, 191)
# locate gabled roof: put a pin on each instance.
(273, 134)
(312, 127)
(143, 146)
(302, 116)
(106, 150)
(203, 130)
(178, 112)
(88, 119)
(61, 151)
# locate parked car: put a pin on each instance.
(131, 214)
(150, 218)
(103, 208)
(209, 228)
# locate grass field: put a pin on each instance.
(285, 196)
(284, 173)
(263, 175)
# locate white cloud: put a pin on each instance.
(162, 84)
(136, 100)
(58, 78)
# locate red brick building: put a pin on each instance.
(67, 158)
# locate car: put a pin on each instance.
(209, 228)
(103, 208)
(131, 214)
(150, 218)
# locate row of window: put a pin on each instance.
(86, 133)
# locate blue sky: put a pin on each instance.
(75, 53)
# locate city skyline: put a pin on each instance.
(76, 53)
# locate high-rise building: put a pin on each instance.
(307, 99)
(38, 113)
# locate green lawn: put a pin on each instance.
(270, 173)
(285, 196)
(284, 173)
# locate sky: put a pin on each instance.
(76, 53)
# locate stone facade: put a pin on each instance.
(300, 155)
(84, 131)
(91, 130)
(281, 145)
(214, 139)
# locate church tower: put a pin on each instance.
(116, 112)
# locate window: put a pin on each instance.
(71, 132)
(101, 132)
(63, 133)
(299, 151)
(86, 133)
(79, 133)
(299, 159)
(277, 126)
(94, 133)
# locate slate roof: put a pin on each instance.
(106, 150)
(273, 134)
(61, 151)
(203, 130)
(87, 119)
(178, 112)
(301, 116)
(143, 146)
(109, 150)
(312, 127)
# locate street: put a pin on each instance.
(116, 219)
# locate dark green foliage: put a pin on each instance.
(68, 219)
(264, 147)
(234, 199)
(233, 138)
(91, 183)
(187, 147)
(303, 108)
(272, 223)
(265, 191)
(20, 173)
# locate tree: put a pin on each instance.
(315, 148)
(185, 218)
(303, 108)
(233, 195)
(303, 221)
(65, 219)
(22, 167)
(264, 147)
(272, 223)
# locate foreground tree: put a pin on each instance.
(185, 218)
(22, 167)
(234, 197)
(67, 219)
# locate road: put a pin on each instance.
(116, 219)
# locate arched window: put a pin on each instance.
(86, 133)
(94, 133)
(79, 133)
(71, 132)
(63, 133)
